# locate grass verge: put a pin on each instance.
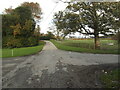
(83, 50)
(22, 51)
(111, 79)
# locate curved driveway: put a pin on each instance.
(46, 62)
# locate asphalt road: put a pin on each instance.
(50, 68)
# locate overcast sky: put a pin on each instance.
(49, 7)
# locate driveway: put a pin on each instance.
(54, 68)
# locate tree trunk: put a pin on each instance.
(97, 42)
(58, 38)
(64, 37)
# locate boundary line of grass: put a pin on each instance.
(22, 51)
(82, 50)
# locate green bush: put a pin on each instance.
(11, 42)
(45, 37)
(24, 42)
(33, 41)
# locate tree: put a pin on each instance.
(94, 19)
(9, 10)
(37, 31)
(19, 25)
(16, 29)
(34, 7)
(71, 22)
(50, 35)
(65, 23)
(8, 20)
(114, 11)
(58, 22)
(23, 13)
(47, 36)
(28, 28)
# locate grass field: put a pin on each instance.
(87, 46)
(22, 51)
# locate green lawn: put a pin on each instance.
(87, 46)
(111, 79)
(22, 51)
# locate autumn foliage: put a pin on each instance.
(18, 26)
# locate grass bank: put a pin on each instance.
(22, 51)
(82, 46)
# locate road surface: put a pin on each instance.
(54, 68)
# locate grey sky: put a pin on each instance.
(48, 9)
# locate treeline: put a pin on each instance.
(47, 36)
(18, 26)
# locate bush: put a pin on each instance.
(45, 37)
(32, 41)
(11, 42)
(24, 42)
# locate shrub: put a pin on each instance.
(11, 42)
(32, 41)
(24, 42)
